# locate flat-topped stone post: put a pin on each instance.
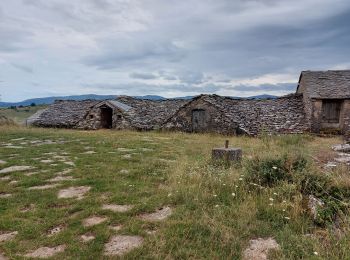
(227, 154)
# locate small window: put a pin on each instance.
(91, 116)
(331, 111)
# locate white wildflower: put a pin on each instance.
(288, 218)
(233, 194)
(271, 199)
(315, 253)
(274, 167)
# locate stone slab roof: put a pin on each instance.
(280, 115)
(116, 104)
(330, 84)
(65, 114)
(149, 114)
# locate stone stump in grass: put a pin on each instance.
(227, 154)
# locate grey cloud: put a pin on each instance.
(23, 68)
(266, 87)
(138, 75)
(191, 77)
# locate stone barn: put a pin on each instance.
(326, 96)
(225, 115)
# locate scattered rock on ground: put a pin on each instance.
(46, 252)
(70, 163)
(43, 187)
(7, 236)
(345, 148)
(124, 171)
(160, 214)
(5, 178)
(66, 171)
(258, 248)
(2, 162)
(119, 245)
(73, 192)
(87, 237)
(313, 205)
(117, 208)
(16, 169)
(94, 220)
(89, 152)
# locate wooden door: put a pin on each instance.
(331, 111)
(198, 120)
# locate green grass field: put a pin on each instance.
(19, 115)
(216, 209)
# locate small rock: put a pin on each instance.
(70, 163)
(116, 227)
(55, 230)
(160, 214)
(94, 220)
(5, 195)
(119, 245)
(7, 236)
(124, 171)
(87, 237)
(89, 152)
(61, 178)
(47, 161)
(43, 187)
(73, 192)
(16, 169)
(313, 205)
(2, 162)
(46, 252)
(117, 208)
(258, 249)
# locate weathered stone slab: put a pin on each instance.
(227, 154)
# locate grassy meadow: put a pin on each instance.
(216, 209)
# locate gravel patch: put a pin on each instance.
(159, 215)
(46, 252)
(117, 208)
(94, 220)
(119, 245)
(73, 192)
(258, 248)
(16, 169)
(7, 236)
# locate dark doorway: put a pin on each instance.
(106, 117)
(198, 120)
(331, 111)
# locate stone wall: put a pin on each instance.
(281, 115)
(346, 119)
(92, 120)
(215, 120)
(307, 101)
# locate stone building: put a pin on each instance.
(326, 96)
(321, 102)
(213, 113)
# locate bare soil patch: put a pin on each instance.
(73, 192)
(258, 248)
(94, 220)
(117, 208)
(119, 245)
(159, 215)
(46, 252)
(16, 169)
(7, 236)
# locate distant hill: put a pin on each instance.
(50, 100)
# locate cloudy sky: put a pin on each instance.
(170, 48)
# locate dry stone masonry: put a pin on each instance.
(321, 102)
